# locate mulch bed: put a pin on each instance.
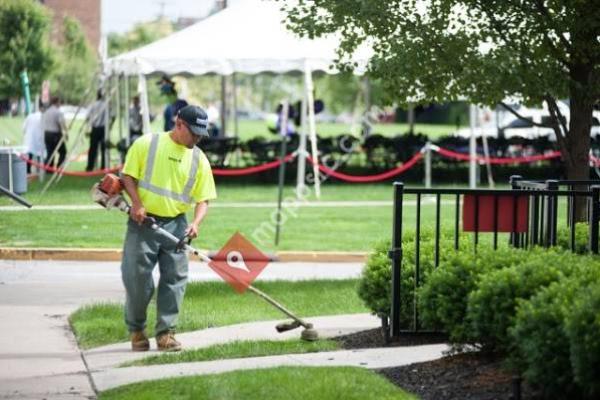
(464, 376)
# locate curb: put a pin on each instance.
(67, 254)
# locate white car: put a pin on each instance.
(511, 126)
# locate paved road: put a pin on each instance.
(39, 358)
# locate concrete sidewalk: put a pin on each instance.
(39, 358)
(38, 354)
(113, 355)
(103, 361)
(365, 358)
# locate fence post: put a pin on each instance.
(428, 165)
(395, 255)
(552, 212)
(594, 218)
(514, 180)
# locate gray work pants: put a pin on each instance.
(143, 248)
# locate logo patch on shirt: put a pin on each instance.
(175, 159)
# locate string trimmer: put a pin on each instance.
(109, 194)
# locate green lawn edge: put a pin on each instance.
(285, 383)
(214, 304)
(238, 349)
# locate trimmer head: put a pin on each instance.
(287, 326)
(309, 333)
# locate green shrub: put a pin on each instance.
(583, 330)
(492, 305)
(563, 238)
(374, 286)
(375, 282)
(541, 350)
(443, 297)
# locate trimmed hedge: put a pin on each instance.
(444, 296)
(375, 282)
(492, 305)
(583, 331)
(582, 234)
(542, 351)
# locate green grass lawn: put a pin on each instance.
(285, 383)
(76, 190)
(239, 349)
(308, 228)
(209, 304)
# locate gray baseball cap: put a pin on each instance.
(196, 119)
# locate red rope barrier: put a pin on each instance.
(220, 172)
(49, 168)
(252, 170)
(497, 160)
(371, 178)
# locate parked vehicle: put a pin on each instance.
(512, 126)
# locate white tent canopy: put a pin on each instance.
(249, 37)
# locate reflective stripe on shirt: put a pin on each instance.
(146, 182)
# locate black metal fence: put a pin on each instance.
(527, 215)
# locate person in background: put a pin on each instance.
(55, 132)
(34, 136)
(214, 117)
(96, 118)
(167, 88)
(136, 123)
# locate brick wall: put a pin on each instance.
(87, 12)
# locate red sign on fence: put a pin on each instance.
(511, 213)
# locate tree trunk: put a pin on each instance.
(578, 139)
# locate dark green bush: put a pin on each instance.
(375, 282)
(541, 350)
(443, 297)
(583, 330)
(374, 285)
(492, 305)
(563, 238)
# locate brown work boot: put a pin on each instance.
(139, 341)
(166, 342)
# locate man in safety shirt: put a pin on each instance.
(164, 175)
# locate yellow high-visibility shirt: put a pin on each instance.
(165, 189)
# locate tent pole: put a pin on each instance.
(143, 89)
(411, 118)
(126, 108)
(301, 174)
(119, 115)
(312, 129)
(107, 94)
(235, 107)
(223, 105)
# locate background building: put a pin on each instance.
(87, 12)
